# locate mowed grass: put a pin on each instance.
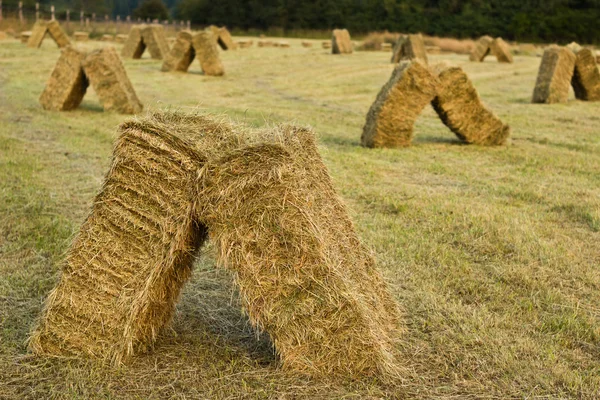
(492, 253)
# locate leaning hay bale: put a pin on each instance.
(81, 36)
(207, 53)
(482, 49)
(265, 43)
(124, 270)
(56, 33)
(67, 84)
(109, 79)
(460, 109)
(340, 42)
(154, 39)
(397, 52)
(501, 50)
(303, 275)
(223, 38)
(413, 48)
(574, 47)
(181, 55)
(554, 76)
(134, 46)
(121, 38)
(244, 44)
(107, 38)
(433, 49)
(386, 47)
(392, 116)
(326, 44)
(283, 43)
(37, 34)
(586, 77)
(25, 36)
(306, 43)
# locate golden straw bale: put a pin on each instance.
(586, 77)
(303, 275)
(182, 53)
(341, 42)
(574, 47)
(134, 46)
(306, 43)
(107, 38)
(397, 52)
(501, 50)
(386, 47)
(121, 38)
(67, 84)
(109, 79)
(81, 36)
(413, 48)
(326, 44)
(283, 43)
(223, 38)
(38, 32)
(554, 76)
(153, 37)
(482, 49)
(56, 33)
(25, 35)
(391, 117)
(207, 53)
(460, 109)
(3, 35)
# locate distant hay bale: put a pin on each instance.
(81, 36)
(67, 84)
(223, 37)
(574, 47)
(554, 76)
(265, 43)
(283, 43)
(134, 46)
(244, 44)
(41, 28)
(501, 50)
(306, 43)
(527, 49)
(586, 76)
(3, 35)
(25, 36)
(207, 53)
(460, 109)
(482, 49)
(391, 118)
(326, 44)
(109, 79)
(413, 48)
(433, 49)
(397, 51)
(153, 37)
(182, 53)
(121, 38)
(341, 42)
(107, 38)
(386, 47)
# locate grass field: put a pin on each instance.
(492, 253)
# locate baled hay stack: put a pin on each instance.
(67, 84)
(207, 53)
(386, 47)
(341, 42)
(125, 268)
(586, 77)
(109, 79)
(154, 40)
(107, 38)
(392, 116)
(413, 48)
(25, 36)
(303, 275)
(306, 43)
(3, 35)
(501, 50)
(326, 44)
(554, 76)
(181, 55)
(397, 52)
(134, 46)
(283, 43)
(482, 49)
(460, 109)
(265, 43)
(433, 49)
(121, 38)
(574, 47)
(40, 28)
(244, 44)
(223, 38)
(59, 36)
(81, 36)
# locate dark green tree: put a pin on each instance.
(153, 9)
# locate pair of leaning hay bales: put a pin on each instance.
(142, 37)
(341, 42)
(412, 86)
(409, 47)
(223, 37)
(76, 70)
(201, 45)
(52, 28)
(486, 45)
(267, 204)
(563, 67)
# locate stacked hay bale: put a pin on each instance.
(40, 28)
(265, 43)
(182, 53)
(244, 44)
(341, 42)
(67, 84)
(574, 47)
(586, 76)
(81, 36)
(554, 76)
(103, 69)
(153, 37)
(121, 38)
(410, 47)
(482, 49)
(391, 117)
(501, 50)
(386, 47)
(223, 37)
(107, 38)
(326, 44)
(306, 43)
(134, 46)
(460, 109)
(25, 36)
(283, 43)
(205, 46)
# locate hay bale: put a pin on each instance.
(283, 43)
(182, 53)
(586, 76)
(501, 50)
(223, 38)
(391, 118)
(25, 36)
(81, 36)
(67, 83)
(244, 44)
(153, 37)
(207, 53)
(124, 270)
(306, 43)
(38, 33)
(109, 79)
(56, 33)
(3, 35)
(303, 275)
(482, 49)
(554, 76)
(121, 38)
(433, 49)
(386, 47)
(460, 109)
(397, 52)
(107, 38)
(413, 48)
(574, 47)
(265, 43)
(134, 46)
(340, 42)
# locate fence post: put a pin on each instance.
(37, 11)
(21, 12)
(68, 18)
(0, 10)
(87, 22)
(81, 18)
(52, 12)
(93, 18)
(189, 25)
